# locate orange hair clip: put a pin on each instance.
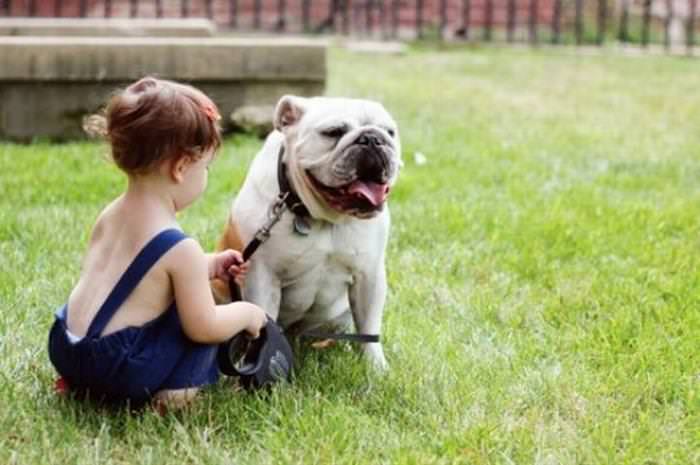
(211, 113)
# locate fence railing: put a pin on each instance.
(670, 23)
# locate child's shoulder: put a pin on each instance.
(187, 252)
(102, 222)
(115, 225)
(186, 261)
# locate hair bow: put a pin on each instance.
(211, 113)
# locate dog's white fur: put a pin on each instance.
(335, 275)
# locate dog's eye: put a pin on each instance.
(391, 132)
(335, 132)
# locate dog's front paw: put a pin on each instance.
(375, 357)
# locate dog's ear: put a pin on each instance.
(289, 111)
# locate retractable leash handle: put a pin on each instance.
(258, 362)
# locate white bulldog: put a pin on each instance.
(323, 265)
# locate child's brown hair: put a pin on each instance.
(154, 120)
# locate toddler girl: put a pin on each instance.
(141, 323)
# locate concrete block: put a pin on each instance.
(254, 119)
(48, 84)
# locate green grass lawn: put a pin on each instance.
(544, 273)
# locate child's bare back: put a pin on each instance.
(119, 234)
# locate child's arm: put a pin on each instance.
(202, 320)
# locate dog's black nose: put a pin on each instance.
(370, 138)
(372, 166)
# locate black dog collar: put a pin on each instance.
(292, 200)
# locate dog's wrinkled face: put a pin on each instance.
(345, 152)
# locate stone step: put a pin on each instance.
(48, 84)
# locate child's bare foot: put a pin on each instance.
(173, 399)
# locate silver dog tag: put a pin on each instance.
(301, 225)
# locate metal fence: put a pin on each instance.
(671, 23)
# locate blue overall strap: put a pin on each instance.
(146, 258)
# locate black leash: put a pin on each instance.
(262, 235)
(288, 199)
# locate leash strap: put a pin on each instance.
(342, 336)
(262, 235)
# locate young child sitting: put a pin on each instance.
(141, 323)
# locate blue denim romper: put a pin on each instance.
(135, 362)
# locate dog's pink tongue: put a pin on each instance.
(375, 193)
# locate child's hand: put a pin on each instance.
(257, 319)
(229, 265)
